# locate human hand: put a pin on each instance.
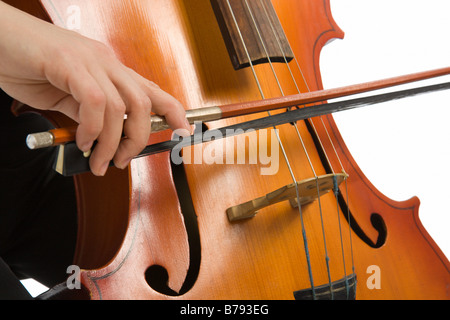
(50, 68)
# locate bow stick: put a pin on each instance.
(72, 161)
(63, 135)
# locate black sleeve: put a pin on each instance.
(37, 205)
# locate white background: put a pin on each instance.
(403, 147)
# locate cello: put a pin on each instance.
(161, 230)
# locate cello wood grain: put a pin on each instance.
(178, 44)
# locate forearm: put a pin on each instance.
(19, 55)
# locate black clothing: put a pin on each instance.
(37, 208)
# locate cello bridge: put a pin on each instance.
(308, 191)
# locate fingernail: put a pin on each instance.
(127, 162)
(104, 168)
(188, 126)
(86, 147)
(124, 164)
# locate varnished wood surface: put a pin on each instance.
(178, 45)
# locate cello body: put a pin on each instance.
(160, 231)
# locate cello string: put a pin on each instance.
(305, 240)
(332, 144)
(331, 167)
(277, 79)
(327, 259)
(336, 188)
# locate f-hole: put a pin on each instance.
(157, 276)
(376, 219)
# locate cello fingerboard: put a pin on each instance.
(258, 24)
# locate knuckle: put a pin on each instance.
(134, 146)
(118, 107)
(177, 106)
(153, 85)
(96, 97)
(142, 104)
(137, 140)
(102, 49)
(173, 109)
(141, 143)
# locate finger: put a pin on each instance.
(92, 104)
(68, 106)
(163, 104)
(137, 126)
(137, 131)
(111, 134)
